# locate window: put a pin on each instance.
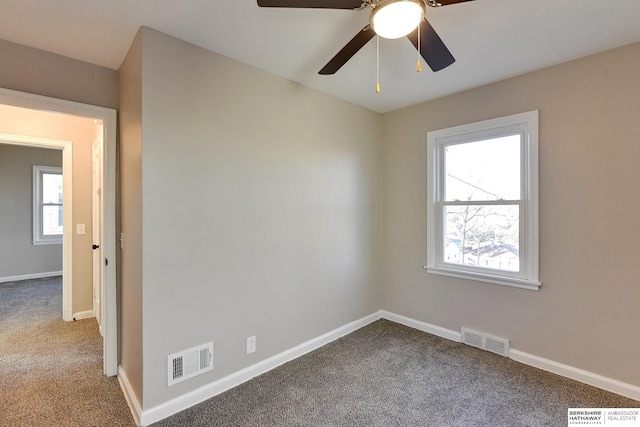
(482, 201)
(47, 205)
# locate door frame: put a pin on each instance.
(96, 227)
(66, 147)
(108, 229)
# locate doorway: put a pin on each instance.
(105, 233)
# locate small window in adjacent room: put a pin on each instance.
(482, 201)
(47, 205)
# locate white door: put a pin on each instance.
(96, 209)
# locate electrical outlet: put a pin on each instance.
(251, 344)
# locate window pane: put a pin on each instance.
(483, 170)
(484, 236)
(51, 188)
(51, 220)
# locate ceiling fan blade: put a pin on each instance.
(438, 3)
(315, 4)
(350, 49)
(432, 48)
(448, 2)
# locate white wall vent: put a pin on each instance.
(497, 345)
(486, 342)
(189, 363)
(472, 338)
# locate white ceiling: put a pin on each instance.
(490, 39)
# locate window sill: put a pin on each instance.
(46, 242)
(487, 278)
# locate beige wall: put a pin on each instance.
(259, 203)
(31, 70)
(18, 256)
(586, 314)
(81, 132)
(130, 122)
(35, 71)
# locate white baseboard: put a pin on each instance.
(180, 403)
(422, 326)
(605, 383)
(586, 377)
(208, 391)
(129, 395)
(82, 315)
(30, 276)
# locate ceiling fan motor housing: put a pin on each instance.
(392, 19)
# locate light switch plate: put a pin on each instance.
(80, 229)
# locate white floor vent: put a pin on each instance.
(190, 363)
(486, 342)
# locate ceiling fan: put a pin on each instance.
(389, 19)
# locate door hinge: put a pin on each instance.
(106, 261)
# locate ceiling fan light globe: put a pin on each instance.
(396, 18)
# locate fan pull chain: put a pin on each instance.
(377, 63)
(419, 64)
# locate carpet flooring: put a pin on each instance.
(51, 370)
(386, 374)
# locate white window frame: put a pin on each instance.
(38, 237)
(525, 124)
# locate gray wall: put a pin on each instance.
(586, 314)
(259, 201)
(130, 123)
(31, 70)
(18, 255)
